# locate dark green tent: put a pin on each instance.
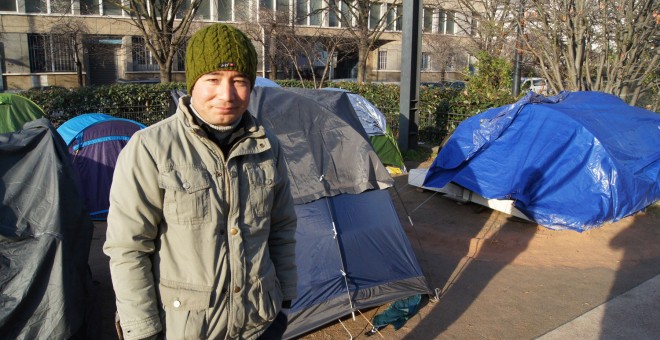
(16, 111)
(387, 149)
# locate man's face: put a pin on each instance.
(221, 97)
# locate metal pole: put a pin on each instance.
(410, 72)
(2, 62)
(518, 55)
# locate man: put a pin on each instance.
(201, 222)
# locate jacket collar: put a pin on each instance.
(255, 140)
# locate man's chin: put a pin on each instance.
(225, 120)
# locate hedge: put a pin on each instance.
(150, 103)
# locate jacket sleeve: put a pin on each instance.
(133, 218)
(282, 242)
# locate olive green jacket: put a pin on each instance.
(200, 246)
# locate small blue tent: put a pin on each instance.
(94, 141)
(573, 161)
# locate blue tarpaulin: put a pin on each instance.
(572, 161)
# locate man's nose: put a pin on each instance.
(226, 90)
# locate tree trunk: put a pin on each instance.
(166, 71)
(363, 52)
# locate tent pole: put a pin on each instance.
(336, 237)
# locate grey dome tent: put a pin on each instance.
(351, 250)
(45, 237)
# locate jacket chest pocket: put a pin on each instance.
(262, 183)
(187, 194)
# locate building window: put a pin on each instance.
(382, 60)
(374, 16)
(9, 6)
(234, 10)
(446, 22)
(179, 63)
(391, 16)
(224, 10)
(399, 21)
(111, 9)
(474, 24)
(47, 6)
(301, 12)
(315, 12)
(204, 10)
(51, 53)
(94, 7)
(241, 10)
(428, 20)
(90, 7)
(310, 12)
(346, 15)
(333, 8)
(283, 9)
(426, 61)
(451, 63)
(450, 23)
(143, 59)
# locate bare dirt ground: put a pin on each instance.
(499, 277)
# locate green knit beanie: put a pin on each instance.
(219, 47)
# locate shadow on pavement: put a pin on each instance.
(450, 239)
(639, 263)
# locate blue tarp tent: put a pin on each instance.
(573, 161)
(94, 141)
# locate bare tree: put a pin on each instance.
(366, 21)
(164, 25)
(317, 48)
(490, 23)
(265, 26)
(609, 46)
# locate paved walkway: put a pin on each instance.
(634, 314)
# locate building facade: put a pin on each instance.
(72, 43)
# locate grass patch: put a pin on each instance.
(419, 154)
